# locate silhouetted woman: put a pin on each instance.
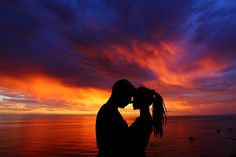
(141, 129)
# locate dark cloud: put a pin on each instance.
(77, 41)
(50, 37)
(62, 10)
(213, 26)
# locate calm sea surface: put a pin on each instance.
(70, 135)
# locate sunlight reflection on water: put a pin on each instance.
(73, 135)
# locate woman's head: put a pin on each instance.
(145, 97)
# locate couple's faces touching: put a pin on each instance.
(123, 93)
(136, 100)
(125, 100)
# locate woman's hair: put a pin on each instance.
(158, 108)
(158, 113)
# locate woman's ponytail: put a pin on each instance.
(158, 114)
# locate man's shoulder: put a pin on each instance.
(104, 108)
(109, 113)
(105, 111)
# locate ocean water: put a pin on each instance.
(74, 135)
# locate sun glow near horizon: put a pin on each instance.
(41, 94)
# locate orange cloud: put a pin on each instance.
(164, 60)
(42, 88)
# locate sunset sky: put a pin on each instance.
(64, 56)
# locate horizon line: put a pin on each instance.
(93, 114)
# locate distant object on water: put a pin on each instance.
(218, 130)
(191, 139)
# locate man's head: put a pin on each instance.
(122, 92)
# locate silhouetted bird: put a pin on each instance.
(191, 139)
(218, 130)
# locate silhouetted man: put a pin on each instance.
(111, 128)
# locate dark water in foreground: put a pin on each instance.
(66, 135)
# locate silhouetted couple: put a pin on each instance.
(114, 137)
